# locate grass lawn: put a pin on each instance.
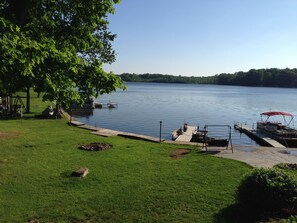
(135, 181)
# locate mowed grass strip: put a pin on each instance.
(134, 181)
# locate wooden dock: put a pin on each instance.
(263, 141)
(186, 136)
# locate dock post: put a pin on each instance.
(230, 139)
(160, 131)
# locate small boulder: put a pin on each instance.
(82, 172)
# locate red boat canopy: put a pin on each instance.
(276, 113)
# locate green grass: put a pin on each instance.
(135, 181)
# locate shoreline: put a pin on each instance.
(256, 156)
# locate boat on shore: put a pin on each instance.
(277, 130)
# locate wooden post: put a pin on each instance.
(28, 100)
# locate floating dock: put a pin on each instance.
(260, 139)
(187, 135)
(190, 134)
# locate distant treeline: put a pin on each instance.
(261, 77)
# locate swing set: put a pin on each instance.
(11, 106)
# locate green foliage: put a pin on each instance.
(159, 78)
(292, 219)
(57, 47)
(266, 191)
(262, 77)
(287, 166)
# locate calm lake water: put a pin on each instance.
(144, 105)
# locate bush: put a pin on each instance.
(292, 219)
(268, 191)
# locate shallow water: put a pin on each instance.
(144, 105)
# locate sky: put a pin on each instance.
(203, 37)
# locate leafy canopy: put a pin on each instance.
(57, 47)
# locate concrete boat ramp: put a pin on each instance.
(258, 156)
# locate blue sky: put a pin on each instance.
(203, 37)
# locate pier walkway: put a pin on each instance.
(109, 132)
(266, 141)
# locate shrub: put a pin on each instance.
(268, 191)
(292, 219)
(287, 166)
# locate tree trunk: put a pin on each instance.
(58, 113)
(28, 100)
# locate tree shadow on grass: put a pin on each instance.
(31, 117)
(37, 116)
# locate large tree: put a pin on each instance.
(58, 47)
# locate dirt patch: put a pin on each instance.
(96, 146)
(179, 153)
(9, 135)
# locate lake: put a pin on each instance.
(142, 107)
